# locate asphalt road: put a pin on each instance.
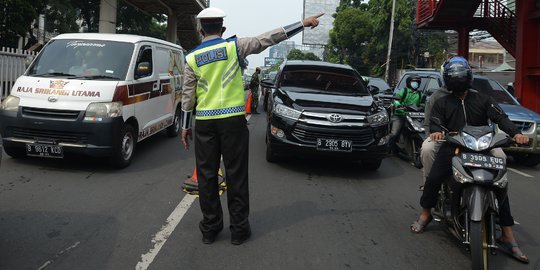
(306, 213)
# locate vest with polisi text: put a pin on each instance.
(220, 90)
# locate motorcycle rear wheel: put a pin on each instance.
(481, 256)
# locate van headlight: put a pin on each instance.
(10, 103)
(99, 110)
(379, 118)
(288, 112)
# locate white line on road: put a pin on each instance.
(161, 237)
(57, 255)
(522, 173)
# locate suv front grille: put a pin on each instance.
(309, 134)
(50, 114)
(525, 127)
(48, 135)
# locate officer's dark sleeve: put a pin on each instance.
(497, 115)
(437, 112)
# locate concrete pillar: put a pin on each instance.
(107, 16)
(172, 21)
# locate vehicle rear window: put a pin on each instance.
(492, 88)
(332, 80)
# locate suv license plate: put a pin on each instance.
(483, 161)
(334, 145)
(44, 150)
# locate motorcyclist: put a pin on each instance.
(465, 107)
(409, 95)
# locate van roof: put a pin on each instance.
(115, 37)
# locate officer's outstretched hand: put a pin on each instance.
(312, 21)
(185, 134)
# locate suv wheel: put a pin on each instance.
(530, 160)
(270, 153)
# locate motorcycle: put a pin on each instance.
(412, 135)
(469, 201)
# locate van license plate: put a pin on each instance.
(334, 145)
(483, 161)
(44, 150)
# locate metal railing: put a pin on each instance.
(501, 21)
(12, 65)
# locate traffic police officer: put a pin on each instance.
(213, 86)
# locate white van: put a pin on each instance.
(95, 94)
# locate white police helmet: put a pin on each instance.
(211, 13)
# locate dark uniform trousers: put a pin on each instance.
(441, 170)
(228, 137)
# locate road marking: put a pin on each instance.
(57, 255)
(247, 117)
(161, 237)
(520, 172)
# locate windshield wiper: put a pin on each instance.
(93, 77)
(53, 74)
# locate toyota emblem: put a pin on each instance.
(52, 99)
(335, 118)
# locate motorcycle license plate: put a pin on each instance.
(334, 145)
(44, 150)
(483, 161)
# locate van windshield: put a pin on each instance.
(83, 59)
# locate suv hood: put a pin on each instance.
(518, 112)
(322, 102)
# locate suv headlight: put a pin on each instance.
(10, 103)
(378, 118)
(288, 112)
(99, 110)
(477, 145)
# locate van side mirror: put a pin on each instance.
(143, 69)
(373, 89)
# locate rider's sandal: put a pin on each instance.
(419, 226)
(506, 247)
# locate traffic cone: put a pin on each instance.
(191, 185)
(248, 103)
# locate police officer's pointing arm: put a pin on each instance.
(253, 45)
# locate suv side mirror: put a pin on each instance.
(268, 83)
(143, 69)
(373, 89)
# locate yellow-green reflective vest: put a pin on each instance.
(220, 90)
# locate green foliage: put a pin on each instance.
(132, 21)
(61, 17)
(296, 54)
(16, 17)
(361, 31)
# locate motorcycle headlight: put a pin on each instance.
(11, 103)
(477, 145)
(99, 110)
(461, 178)
(379, 118)
(287, 112)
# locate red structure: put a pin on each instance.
(514, 24)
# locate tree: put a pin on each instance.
(61, 17)
(296, 54)
(16, 18)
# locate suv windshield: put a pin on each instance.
(83, 59)
(326, 79)
(492, 88)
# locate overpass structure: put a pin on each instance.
(514, 24)
(181, 22)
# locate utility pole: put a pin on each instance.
(390, 41)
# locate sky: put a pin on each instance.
(248, 18)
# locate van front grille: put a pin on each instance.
(68, 115)
(48, 135)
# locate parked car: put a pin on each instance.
(324, 109)
(527, 120)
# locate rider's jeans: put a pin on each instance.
(442, 169)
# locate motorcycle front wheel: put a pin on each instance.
(481, 256)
